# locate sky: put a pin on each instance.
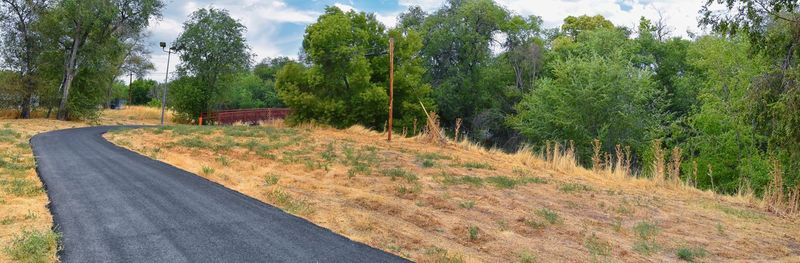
(276, 27)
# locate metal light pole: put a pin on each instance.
(169, 51)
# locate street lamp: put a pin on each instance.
(173, 49)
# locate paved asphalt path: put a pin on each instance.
(114, 205)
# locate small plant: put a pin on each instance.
(502, 182)
(329, 154)
(404, 189)
(400, 173)
(224, 161)
(449, 179)
(527, 257)
(428, 163)
(34, 246)
(23, 187)
(194, 142)
(597, 247)
(205, 170)
(690, 254)
(646, 233)
(7, 220)
(574, 187)
(467, 204)
(473, 233)
(549, 215)
(287, 202)
(478, 165)
(271, 180)
(720, 229)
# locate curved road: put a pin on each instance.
(114, 205)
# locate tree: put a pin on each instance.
(573, 26)
(214, 49)
(347, 82)
(78, 29)
(269, 67)
(591, 98)
(457, 43)
(21, 44)
(140, 91)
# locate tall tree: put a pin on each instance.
(77, 27)
(21, 44)
(214, 48)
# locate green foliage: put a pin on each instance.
(34, 246)
(214, 49)
(690, 254)
(573, 26)
(348, 81)
(142, 91)
(619, 113)
(549, 215)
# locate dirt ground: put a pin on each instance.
(461, 203)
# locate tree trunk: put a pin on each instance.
(25, 112)
(69, 75)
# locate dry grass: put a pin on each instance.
(25, 220)
(461, 202)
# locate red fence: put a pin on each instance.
(247, 115)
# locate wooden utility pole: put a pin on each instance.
(391, 85)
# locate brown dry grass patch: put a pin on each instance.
(420, 201)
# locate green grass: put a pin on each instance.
(329, 154)
(428, 160)
(478, 165)
(467, 204)
(7, 220)
(288, 203)
(473, 232)
(223, 160)
(34, 246)
(526, 257)
(448, 179)
(22, 187)
(271, 179)
(205, 170)
(194, 142)
(646, 233)
(740, 213)
(400, 173)
(574, 187)
(690, 254)
(597, 247)
(549, 215)
(360, 161)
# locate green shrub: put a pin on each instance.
(690, 254)
(549, 215)
(400, 173)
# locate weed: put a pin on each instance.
(23, 187)
(535, 224)
(288, 203)
(455, 180)
(467, 204)
(428, 160)
(193, 142)
(527, 257)
(646, 233)
(441, 255)
(415, 188)
(473, 233)
(549, 215)
(7, 220)
(597, 246)
(502, 224)
(720, 229)
(573, 187)
(400, 173)
(30, 215)
(329, 154)
(502, 182)
(34, 246)
(427, 163)
(224, 161)
(690, 254)
(271, 179)
(205, 170)
(478, 165)
(360, 161)
(740, 213)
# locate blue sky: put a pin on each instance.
(275, 27)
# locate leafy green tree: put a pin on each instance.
(573, 26)
(21, 45)
(214, 49)
(347, 82)
(457, 43)
(78, 30)
(269, 67)
(250, 91)
(587, 98)
(141, 90)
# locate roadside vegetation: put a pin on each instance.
(461, 202)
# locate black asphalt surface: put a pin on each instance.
(114, 205)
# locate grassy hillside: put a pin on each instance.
(458, 202)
